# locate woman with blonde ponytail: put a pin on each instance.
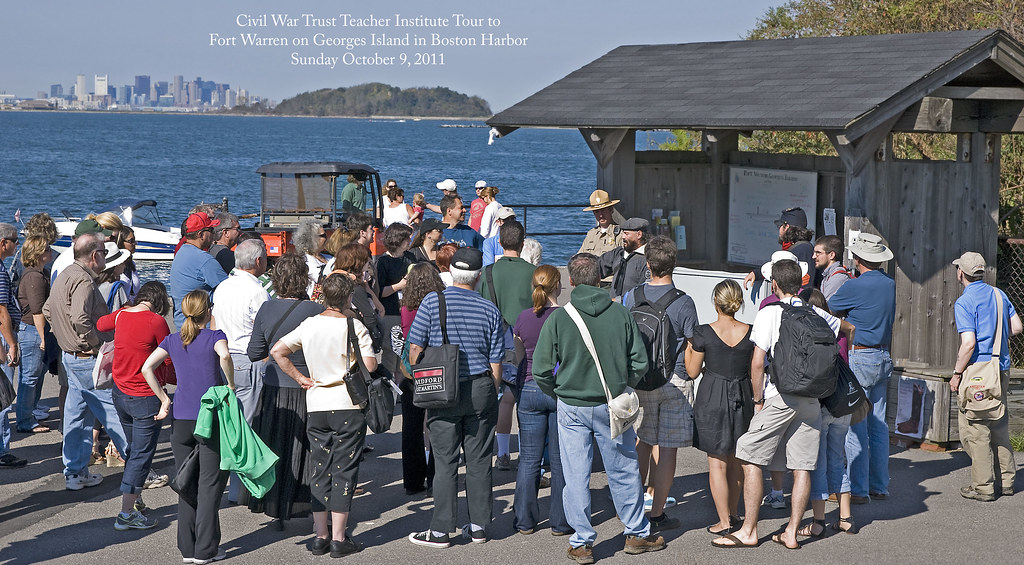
(199, 356)
(724, 402)
(538, 422)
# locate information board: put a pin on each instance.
(757, 198)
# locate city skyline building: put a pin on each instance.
(80, 92)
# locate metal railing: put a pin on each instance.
(526, 211)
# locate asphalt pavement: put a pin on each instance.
(924, 521)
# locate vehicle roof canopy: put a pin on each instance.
(314, 167)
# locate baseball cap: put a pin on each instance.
(447, 184)
(505, 213)
(91, 226)
(793, 216)
(971, 263)
(200, 221)
(468, 259)
(481, 183)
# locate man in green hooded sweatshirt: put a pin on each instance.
(583, 407)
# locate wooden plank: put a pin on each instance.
(930, 115)
(980, 92)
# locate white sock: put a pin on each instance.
(503, 441)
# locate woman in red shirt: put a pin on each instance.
(138, 330)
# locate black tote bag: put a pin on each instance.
(436, 376)
(848, 396)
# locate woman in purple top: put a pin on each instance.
(199, 355)
(537, 418)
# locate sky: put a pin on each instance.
(44, 43)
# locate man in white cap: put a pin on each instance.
(976, 318)
(492, 246)
(869, 303)
(476, 209)
(447, 188)
(606, 235)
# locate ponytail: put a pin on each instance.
(196, 307)
(545, 280)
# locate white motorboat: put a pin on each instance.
(155, 241)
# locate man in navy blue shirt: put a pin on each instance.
(457, 232)
(868, 302)
(976, 318)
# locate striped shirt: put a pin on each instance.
(474, 324)
(8, 298)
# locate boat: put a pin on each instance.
(154, 240)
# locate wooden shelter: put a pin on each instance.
(858, 91)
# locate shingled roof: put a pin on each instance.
(826, 83)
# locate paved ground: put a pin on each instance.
(925, 521)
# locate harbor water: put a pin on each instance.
(81, 162)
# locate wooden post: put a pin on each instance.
(717, 144)
(615, 151)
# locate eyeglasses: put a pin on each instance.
(13, 240)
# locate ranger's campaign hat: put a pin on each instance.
(793, 216)
(468, 259)
(599, 199)
(971, 263)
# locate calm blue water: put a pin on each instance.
(82, 162)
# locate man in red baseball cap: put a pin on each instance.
(193, 268)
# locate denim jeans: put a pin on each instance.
(538, 423)
(5, 427)
(33, 367)
(867, 444)
(82, 405)
(141, 433)
(830, 475)
(576, 447)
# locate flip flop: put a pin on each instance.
(736, 542)
(36, 430)
(777, 538)
(722, 532)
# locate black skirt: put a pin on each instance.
(281, 424)
(722, 411)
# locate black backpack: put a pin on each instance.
(660, 338)
(804, 358)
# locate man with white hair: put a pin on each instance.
(74, 306)
(235, 304)
(10, 318)
(475, 325)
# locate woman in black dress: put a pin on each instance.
(281, 420)
(724, 403)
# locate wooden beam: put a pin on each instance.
(603, 142)
(933, 115)
(1001, 117)
(1009, 58)
(979, 92)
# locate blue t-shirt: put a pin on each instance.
(192, 269)
(975, 311)
(492, 250)
(869, 303)
(682, 314)
(463, 236)
(197, 366)
(473, 323)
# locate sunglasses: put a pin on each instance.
(13, 240)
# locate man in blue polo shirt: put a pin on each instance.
(193, 268)
(475, 325)
(869, 303)
(975, 312)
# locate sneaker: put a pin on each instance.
(82, 480)
(195, 561)
(135, 520)
(637, 544)
(504, 463)
(343, 548)
(428, 539)
(10, 460)
(971, 493)
(475, 536)
(776, 501)
(140, 505)
(665, 522)
(155, 480)
(583, 554)
(670, 501)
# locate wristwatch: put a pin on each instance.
(958, 373)
(759, 401)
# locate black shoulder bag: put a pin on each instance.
(436, 376)
(378, 400)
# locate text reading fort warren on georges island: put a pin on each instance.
(349, 20)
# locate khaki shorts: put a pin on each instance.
(783, 435)
(666, 414)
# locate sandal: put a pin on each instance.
(735, 522)
(777, 538)
(851, 527)
(808, 530)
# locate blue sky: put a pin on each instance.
(44, 43)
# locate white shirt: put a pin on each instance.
(489, 222)
(63, 261)
(324, 344)
(316, 269)
(235, 304)
(765, 331)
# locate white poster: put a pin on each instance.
(757, 198)
(910, 407)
